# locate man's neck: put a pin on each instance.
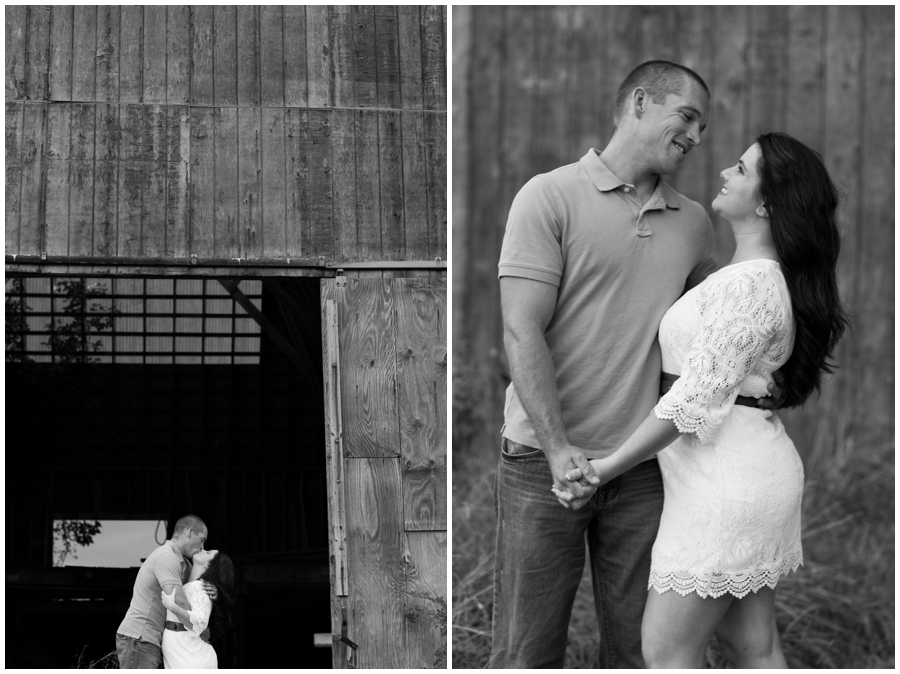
(620, 160)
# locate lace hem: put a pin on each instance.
(716, 584)
(703, 430)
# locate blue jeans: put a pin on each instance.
(136, 654)
(541, 554)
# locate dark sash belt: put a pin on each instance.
(175, 627)
(666, 380)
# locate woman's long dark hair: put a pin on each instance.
(802, 201)
(220, 573)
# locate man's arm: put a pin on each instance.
(527, 307)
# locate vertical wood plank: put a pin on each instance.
(417, 230)
(321, 215)
(274, 189)
(16, 20)
(728, 126)
(589, 117)
(295, 56)
(106, 184)
(436, 182)
(203, 184)
(131, 179)
(365, 70)
(201, 70)
(178, 157)
(56, 216)
(805, 110)
(659, 33)
(874, 303)
(422, 385)
(549, 117)
(387, 56)
(225, 55)
(109, 27)
(37, 53)
(463, 150)
(227, 191)
(434, 58)
(84, 53)
(34, 129)
(368, 213)
(154, 56)
(248, 75)
(426, 581)
(61, 38)
(13, 165)
(81, 180)
(409, 31)
(318, 58)
(694, 49)
(369, 369)
(768, 68)
(297, 135)
(250, 206)
(342, 56)
(131, 89)
(153, 205)
(178, 54)
(393, 243)
(344, 181)
(272, 38)
(376, 599)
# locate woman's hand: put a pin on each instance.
(569, 500)
(168, 600)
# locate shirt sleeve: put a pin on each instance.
(201, 607)
(168, 571)
(532, 242)
(740, 317)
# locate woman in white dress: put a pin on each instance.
(182, 646)
(730, 526)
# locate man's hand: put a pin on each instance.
(210, 590)
(776, 395)
(205, 635)
(573, 474)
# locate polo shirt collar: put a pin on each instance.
(175, 549)
(606, 181)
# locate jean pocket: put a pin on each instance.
(515, 450)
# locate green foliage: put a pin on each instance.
(16, 325)
(85, 315)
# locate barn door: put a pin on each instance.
(385, 369)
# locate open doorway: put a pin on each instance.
(144, 399)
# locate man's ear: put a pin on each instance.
(639, 98)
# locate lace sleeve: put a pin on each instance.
(201, 607)
(740, 316)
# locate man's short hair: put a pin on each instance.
(658, 79)
(189, 522)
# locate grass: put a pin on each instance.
(836, 612)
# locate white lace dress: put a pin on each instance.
(186, 650)
(733, 481)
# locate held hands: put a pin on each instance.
(574, 479)
(776, 394)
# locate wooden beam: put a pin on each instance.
(302, 361)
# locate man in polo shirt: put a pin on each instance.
(139, 637)
(594, 254)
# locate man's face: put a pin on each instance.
(669, 128)
(196, 540)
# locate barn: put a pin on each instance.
(226, 295)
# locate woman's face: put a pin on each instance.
(738, 198)
(204, 557)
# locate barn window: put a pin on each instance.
(106, 543)
(130, 320)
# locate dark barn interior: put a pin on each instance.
(185, 400)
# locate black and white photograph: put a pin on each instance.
(673, 337)
(226, 336)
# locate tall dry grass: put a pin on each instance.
(835, 612)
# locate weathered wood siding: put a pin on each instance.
(534, 88)
(264, 133)
(393, 381)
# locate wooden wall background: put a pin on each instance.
(264, 133)
(533, 90)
